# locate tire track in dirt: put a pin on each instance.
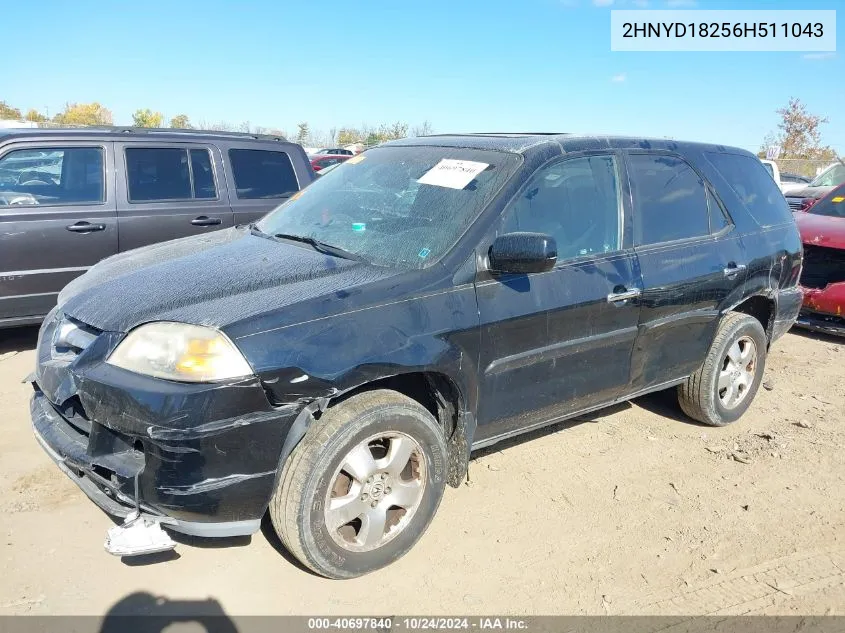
(753, 590)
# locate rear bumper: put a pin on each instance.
(788, 306)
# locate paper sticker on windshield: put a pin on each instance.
(355, 159)
(838, 199)
(424, 253)
(454, 174)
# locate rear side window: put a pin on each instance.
(262, 174)
(51, 176)
(169, 173)
(670, 199)
(754, 187)
(203, 174)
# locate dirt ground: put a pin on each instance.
(634, 510)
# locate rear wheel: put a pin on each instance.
(362, 486)
(727, 381)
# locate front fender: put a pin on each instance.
(328, 356)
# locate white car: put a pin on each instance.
(786, 182)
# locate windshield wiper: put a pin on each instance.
(320, 247)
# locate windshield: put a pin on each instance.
(832, 205)
(396, 206)
(830, 177)
(769, 169)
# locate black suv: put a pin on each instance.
(338, 361)
(71, 197)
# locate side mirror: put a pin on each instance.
(523, 253)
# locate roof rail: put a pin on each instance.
(129, 129)
(501, 134)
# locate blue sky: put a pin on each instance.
(499, 65)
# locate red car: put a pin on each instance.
(822, 229)
(326, 160)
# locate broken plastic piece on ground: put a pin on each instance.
(137, 536)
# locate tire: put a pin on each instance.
(704, 396)
(326, 470)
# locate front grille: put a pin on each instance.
(822, 266)
(795, 203)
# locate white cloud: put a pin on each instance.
(829, 55)
(618, 78)
(602, 3)
(681, 4)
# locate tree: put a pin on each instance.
(799, 135)
(393, 131)
(332, 135)
(348, 136)
(302, 132)
(181, 121)
(147, 118)
(35, 116)
(373, 138)
(84, 114)
(8, 112)
(422, 130)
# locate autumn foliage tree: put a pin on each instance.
(147, 118)
(84, 114)
(181, 121)
(799, 135)
(35, 116)
(8, 112)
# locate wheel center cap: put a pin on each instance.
(377, 490)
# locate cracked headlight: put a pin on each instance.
(178, 351)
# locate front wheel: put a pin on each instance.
(727, 381)
(362, 486)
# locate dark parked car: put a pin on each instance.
(337, 361)
(71, 197)
(327, 170)
(818, 188)
(794, 179)
(321, 162)
(335, 151)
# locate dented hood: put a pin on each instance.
(821, 230)
(215, 279)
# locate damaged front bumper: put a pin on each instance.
(824, 309)
(200, 458)
(823, 285)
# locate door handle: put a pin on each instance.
(624, 295)
(204, 220)
(85, 227)
(732, 269)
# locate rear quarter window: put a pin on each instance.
(753, 185)
(262, 174)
